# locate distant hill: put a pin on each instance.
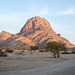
(4, 35)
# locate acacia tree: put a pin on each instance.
(55, 47)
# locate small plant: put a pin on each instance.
(9, 51)
(40, 51)
(34, 48)
(0, 50)
(24, 49)
(73, 52)
(2, 54)
(65, 53)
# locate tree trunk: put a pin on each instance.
(58, 54)
(54, 54)
(34, 50)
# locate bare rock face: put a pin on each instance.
(35, 24)
(40, 31)
(14, 41)
(4, 36)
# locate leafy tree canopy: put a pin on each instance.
(55, 47)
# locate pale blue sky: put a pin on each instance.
(60, 14)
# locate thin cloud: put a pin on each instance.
(33, 5)
(8, 18)
(68, 12)
(44, 11)
(20, 17)
(37, 9)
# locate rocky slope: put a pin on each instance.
(18, 42)
(37, 31)
(4, 36)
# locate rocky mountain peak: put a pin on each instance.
(36, 23)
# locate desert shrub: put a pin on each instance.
(24, 49)
(9, 51)
(34, 48)
(73, 52)
(40, 51)
(65, 53)
(0, 50)
(2, 54)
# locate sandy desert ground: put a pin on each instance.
(37, 63)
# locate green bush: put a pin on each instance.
(65, 53)
(24, 49)
(40, 51)
(2, 54)
(73, 52)
(0, 50)
(9, 51)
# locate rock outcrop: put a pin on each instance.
(40, 31)
(4, 36)
(36, 32)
